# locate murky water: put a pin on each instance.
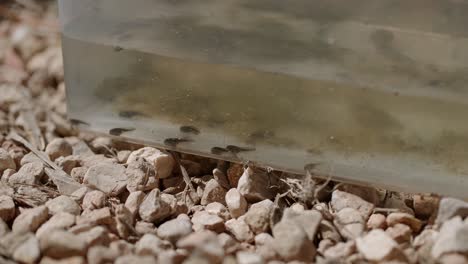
(375, 99)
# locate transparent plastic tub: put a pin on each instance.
(368, 91)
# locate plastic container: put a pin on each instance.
(366, 90)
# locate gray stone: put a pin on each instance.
(175, 229)
(204, 220)
(154, 208)
(7, 208)
(133, 201)
(94, 200)
(163, 162)
(377, 246)
(258, 216)
(59, 221)
(240, 230)
(453, 238)
(6, 161)
(58, 147)
(245, 257)
(450, 207)
(254, 185)
(29, 174)
(309, 220)
(349, 223)
(62, 204)
(341, 200)
(30, 219)
(150, 244)
(236, 203)
(292, 243)
(28, 251)
(213, 192)
(404, 218)
(108, 178)
(61, 244)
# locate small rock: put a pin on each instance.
(28, 158)
(94, 200)
(127, 259)
(400, 233)
(29, 174)
(7, 208)
(236, 203)
(109, 178)
(297, 207)
(340, 250)
(68, 163)
(239, 229)
(453, 258)
(341, 200)
(377, 221)
(367, 193)
(63, 203)
(258, 216)
(59, 221)
(263, 239)
(97, 235)
(122, 156)
(58, 147)
(309, 220)
(292, 243)
(377, 246)
(425, 205)
(254, 186)
(229, 244)
(143, 228)
(205, 243)
(30, 219)
(404, 218)
(427, 236)
(70, 260)
(150, 244)
(11, 241)
(162, 161)
(133, 201)
(172, 256)
(122, 246)
(204, 220)
(325, 244)
(453, 238)
(101, 255)
(6, 161)
(4, 229)
(213, 192)
(328, 231)
(61, 244)
(245, 257)
(450, 207)
(234, 173)
(175, 229)
(28, 251)
(154, 208)
(101, 216)
(349, 223)
(140, 176)
(218, 209)
(7, 174)
(124, 221)
(78, 173)
(79, 194)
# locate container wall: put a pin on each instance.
(365, 90)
